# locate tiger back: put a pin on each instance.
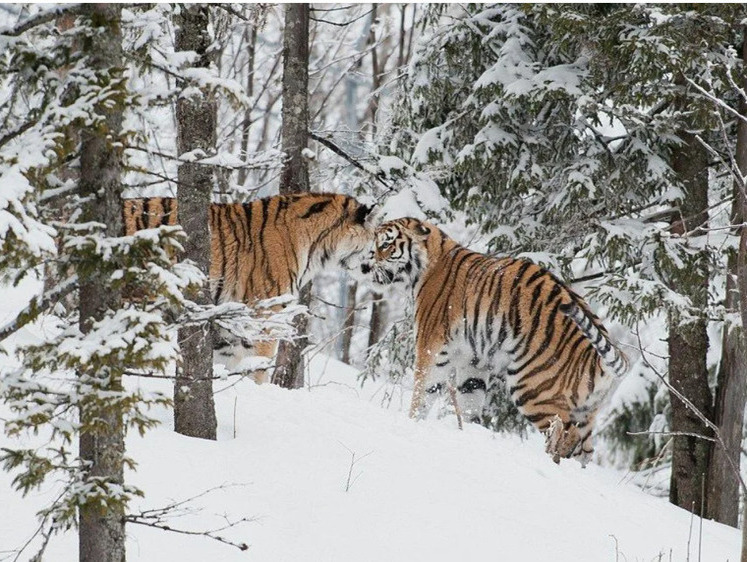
(479, 318)
(267, 247)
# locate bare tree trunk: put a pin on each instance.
(688, 342)
(295, 174)
(289, 370)
(742, 257)
(376, 324)
(101, 530)
(196, 116)
(251, 38)
(731, 391)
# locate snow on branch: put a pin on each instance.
(38, 306)
(38, 19)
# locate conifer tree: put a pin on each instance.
(69, 385)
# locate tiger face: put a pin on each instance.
(400, 252)
(342, 230)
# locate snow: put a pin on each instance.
(416, 491)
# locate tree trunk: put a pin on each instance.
(295, 175)
(101, 529)
(295, 115)
(289, 369)
(688, 341)
(731, 391)
(196, 116)
(251, 39)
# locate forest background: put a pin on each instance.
(607, 142)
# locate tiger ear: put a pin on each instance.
(362, 213)
(422, 230)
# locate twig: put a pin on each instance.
(235, 400)
(157, 518)
(617, 548)
(690, 531)
(209, 534)
(341, 24)
(353, 462)
(228, 9)
(673, 433)
(702, 504)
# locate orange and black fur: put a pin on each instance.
(268, 247)
(479, 317)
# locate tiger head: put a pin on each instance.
(401, 252)
(340, 228)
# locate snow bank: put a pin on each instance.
(417, 491)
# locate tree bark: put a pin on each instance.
(295, 115)
(251, 39)
(289, 372)
(101, 529)
(196, 116)
(688, 341)
(731, 391)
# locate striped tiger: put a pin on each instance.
(267, 247)
(478, 318)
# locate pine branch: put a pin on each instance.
(39, 19)
(7, 137)
(38, 306)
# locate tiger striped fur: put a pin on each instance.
(478, 318)
(267, 247)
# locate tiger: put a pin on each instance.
(267, 247)
(480, 318)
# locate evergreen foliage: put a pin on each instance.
(56, 92)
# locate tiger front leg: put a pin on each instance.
(418, 405)
(561, 439)
(432, 379)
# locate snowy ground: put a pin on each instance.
(417, 491)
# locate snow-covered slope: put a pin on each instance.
(417, 491)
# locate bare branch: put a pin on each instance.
(342, 24)
(158, 519)
(242, 373)
(340, 152)
(673, 433)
